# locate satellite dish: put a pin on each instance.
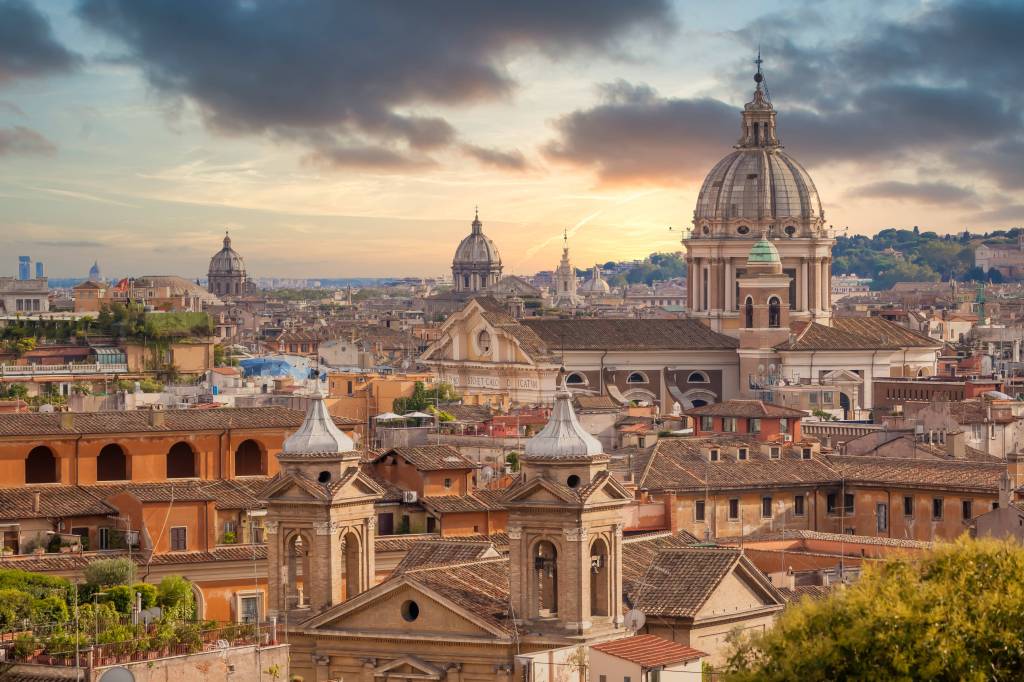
(635, 620)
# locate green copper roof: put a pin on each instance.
(763, 252)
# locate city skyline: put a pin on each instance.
(138, 146)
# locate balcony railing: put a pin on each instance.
(69, 368)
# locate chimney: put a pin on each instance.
(36, 502)
(955, 445)
(67, 421)
(1005, 489)
(156, 418)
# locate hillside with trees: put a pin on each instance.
(895, 255)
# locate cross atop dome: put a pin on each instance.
(759, 115)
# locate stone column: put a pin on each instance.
(813, 271)
(275, 580)
(803, 288)
(574, 587)
(826, 286)
(730, 285)
(370, 555)
(698, 284)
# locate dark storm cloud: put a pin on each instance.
(506, 159)
(335, 157)
(25, 142)
(28, 47)
(352, 67)
(922, 192)
(946, 83)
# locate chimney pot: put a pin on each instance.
(156, 418)
(36, 502)
(67, 421)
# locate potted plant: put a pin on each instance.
(25, 646)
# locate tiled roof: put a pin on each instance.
(429, 553)
(745, 408)
(679, 581)
(392, 493)
(639, 551)
(468, 413)
(857, 333)
(629, 334)
(798, 560)
(219, 553)
(495, 313)
(649, 651)
(55, 501)
(477, 501)
(594, 402)
(479, 587)
(921, 473)
(432, 457)
(682, 463)
(134, 421)
(799, 534)
(799, 592)
(226, 494)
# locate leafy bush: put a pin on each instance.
(109, 572)
(121, 596)
(25, 645)
(149, 594)
(62, 643)
(52, 609)
(15, 607)
(35, 584)
(175, 592)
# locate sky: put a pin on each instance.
(343, 138)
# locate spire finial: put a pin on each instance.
(758, 77)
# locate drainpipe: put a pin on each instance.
(601, 378)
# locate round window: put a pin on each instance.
(572, 481)
(706, 230)
(410, 611)
(790, 230)
(324, 477)
(743, 229)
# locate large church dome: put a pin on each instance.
(477, 248)
(227, 261)
(758, 186)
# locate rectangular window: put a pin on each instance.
(977, 431)
(832, 503)
(798, 505)
(783, 425)
(104, 538)
(698, 510)
(729, 424)
(968, 508)
(741, 453)
(882, 517)
(812, 397)
(826, 397)
(249, 609)
(734, 509)
(178, 539)
(995, 505)
(775, 452)
(766, 507)
(447, 483)
(713, 455)
(806, 453)
(937, 508)
(754, 425)
(908, 506)
(431, 524)
(707, 423)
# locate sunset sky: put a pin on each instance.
(341, 138)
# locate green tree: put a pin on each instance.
(109, 572)
(424, 396)
(954, 614)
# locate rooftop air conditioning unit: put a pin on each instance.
(409, 496)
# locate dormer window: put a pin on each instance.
(805, 453)
(741, 454)
(636, 378)
(714, 454)
(775, 452)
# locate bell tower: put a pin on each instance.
(565, 531)
(565, 280)
(764, 291)
(320, 522)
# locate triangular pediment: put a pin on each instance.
(287, 486)
(606, 488)
(355, 487)
(541, 490)
(384, 609)
(411, 666)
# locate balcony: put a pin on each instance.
(84, 368)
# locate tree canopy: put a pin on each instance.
(955, 614)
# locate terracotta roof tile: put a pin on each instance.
(919, 473)
(55, 501)
(137, 421)
(629, 334)
(679, 581)
(649, 651)
(431, 457)
(857, 333)
(430, 553)
(480, 587)
(745, 408)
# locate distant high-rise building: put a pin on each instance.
(24, 267)
(94, 272)
(40, 273)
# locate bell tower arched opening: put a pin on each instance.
(545, 566)
(600, 579)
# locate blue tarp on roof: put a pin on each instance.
(266, 367)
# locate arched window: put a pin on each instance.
(353, 565)
(545, 564)
(697, 378)
(575, 379)
(112, 464)
(636, 378)
(181, 461)
(600, 584)
(748, 313)
(774, 312)
(483, 341)
(465, 281)
(41, 466)
(297, 564)
(249, 459)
